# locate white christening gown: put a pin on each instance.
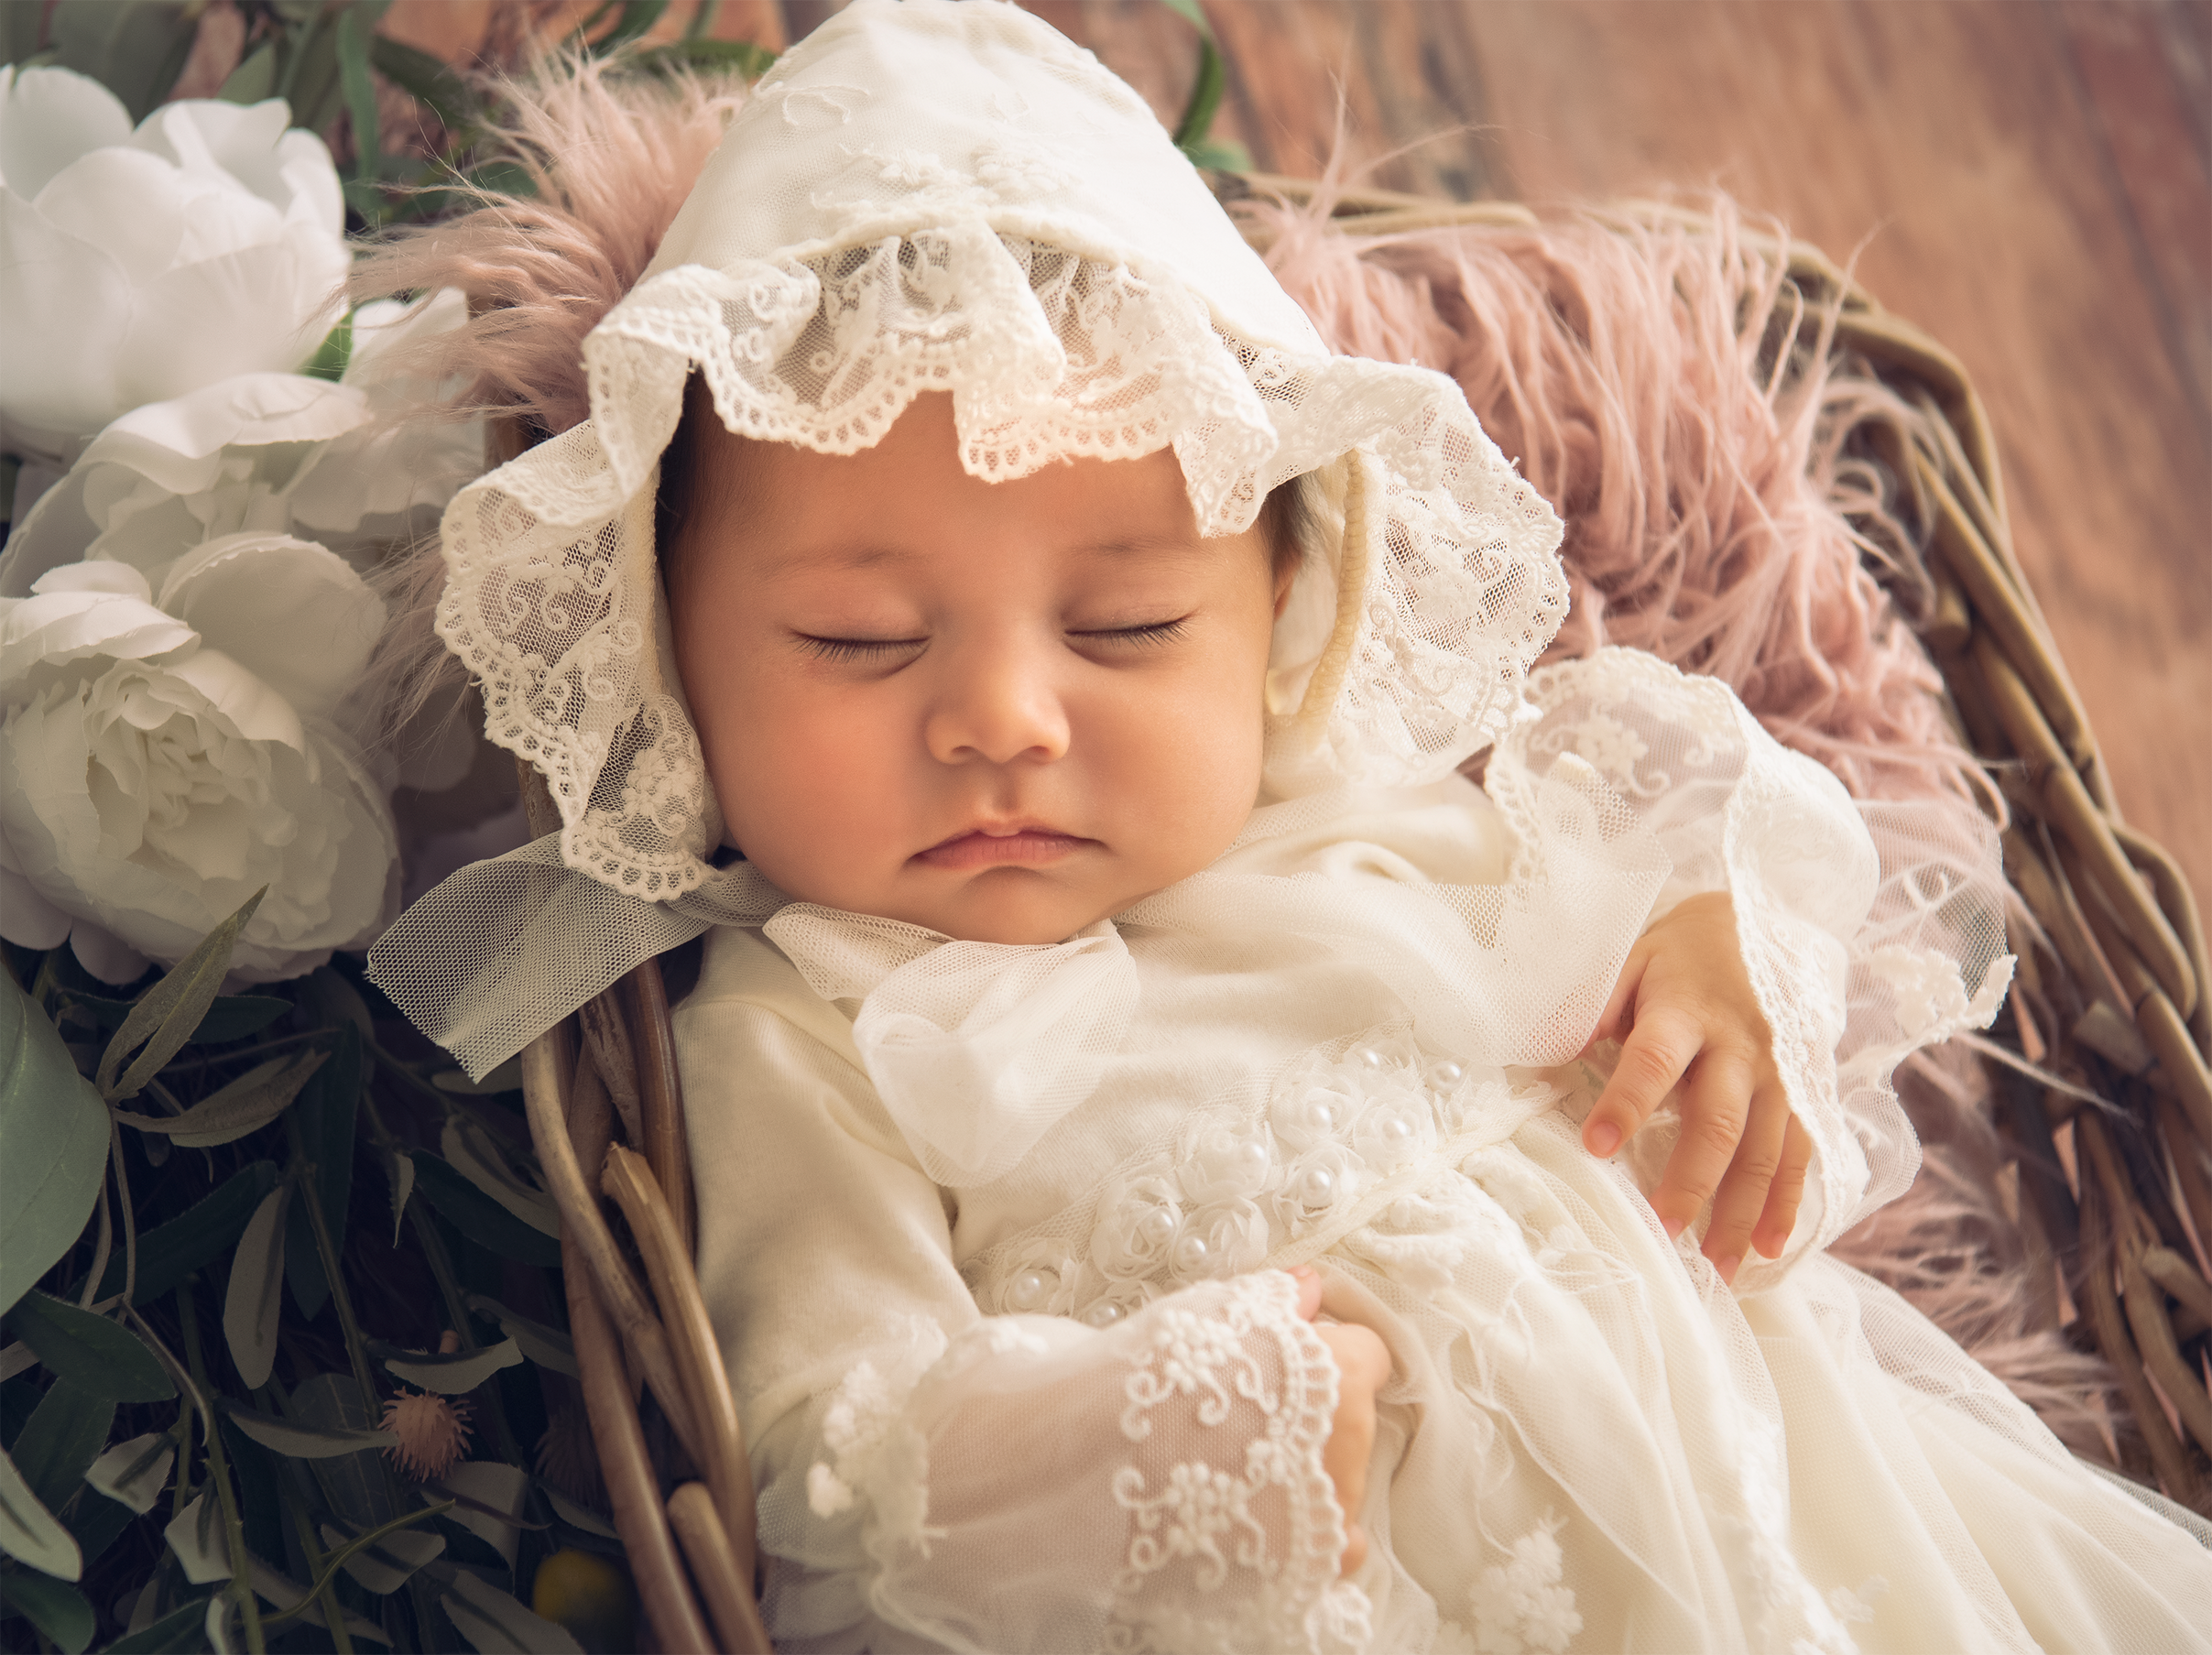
(994, 1239)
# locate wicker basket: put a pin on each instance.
(2109, 999)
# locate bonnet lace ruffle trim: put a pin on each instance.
(1447, 585)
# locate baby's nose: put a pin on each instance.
(998, 704)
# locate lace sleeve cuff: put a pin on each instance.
(1155, 1487)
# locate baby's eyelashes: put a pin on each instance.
(1149, 632)
(856, 648)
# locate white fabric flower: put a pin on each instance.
(136, 266)
(273, 453)
(1139, 1222)
(1397, 1127)
(169, 755)
(1218, 1161)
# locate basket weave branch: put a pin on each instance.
(2116, 1194)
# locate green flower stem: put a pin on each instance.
(323, 1591)
(440, 1260)
(356, 1347)
(241, 1588)
(330, 1564)
(130, 1219)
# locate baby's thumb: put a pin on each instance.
(1309, 1290)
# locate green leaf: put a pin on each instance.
(324, 1116)
(478, 1156)
(61, 1439)
(335, 351)
(232, 1016)
(354, 26)
(454, 1375)
(253, 79)
(53, 1145)
(20, 30)
(167, 1013)
(134, 1473)
(90, 1352)
(59, 1611)
(355, 1485)
(1205, 93)
(495, 1623)
(479, 1217)
(28, 1532)
(177, 1633)
(136, 48)
(248, 1103)
(547, 1346)
(383, 1564)
(251, 1303)
(399, 1170)
(301, 1441)
(195, 1534)
(313, 86)
(637, 16)
(709, 57)
(170, 1252)
(426, 80)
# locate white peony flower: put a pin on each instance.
(136, 266)
(273, 453)
(169, 754)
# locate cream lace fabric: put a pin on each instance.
(1334, 1047)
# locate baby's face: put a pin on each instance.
(999, 710)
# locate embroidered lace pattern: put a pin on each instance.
(553, 595)
(1349, 1128)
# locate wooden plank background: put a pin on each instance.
(2030, 180)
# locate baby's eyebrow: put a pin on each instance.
(836, 559)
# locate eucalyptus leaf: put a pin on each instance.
(575, 1516)
(426, 80)
(324, 1116)
(28, 1531)
(547, 1346)
(179, 1632)
(20, 30)
(231, 1017)
(59, 1611)
(385, 1565)
(490, 1507)
(195, 1534)
(253, 79)
(400, 1170)
(53, 1145)
(60, 1440)
(457, 1373)
(301, 1441)
(167, 1013)
(251, 1303)
(495, 1623)
(355, 1485)
(135, 1473)
(137, 49)
(91, 1351)
(246, 1105)
(478, 1216)
(740, 57)
(473, 1153)
(170, 1252)
(636, 17)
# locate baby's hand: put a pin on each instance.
(1689, 1024)
(1363, 1362)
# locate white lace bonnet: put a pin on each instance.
(943, 195)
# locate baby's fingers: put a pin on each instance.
(1741, 1199)
(1787, 1193)
(1657, 1051)
(1712, 1114)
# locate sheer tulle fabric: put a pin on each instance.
(1589, 1441)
